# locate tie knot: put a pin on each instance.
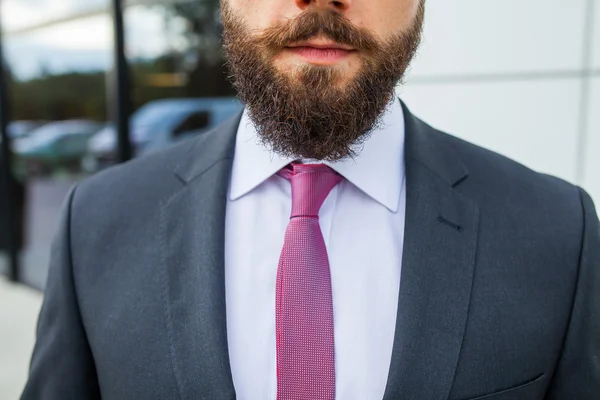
(311, 184)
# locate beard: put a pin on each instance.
(315, 111)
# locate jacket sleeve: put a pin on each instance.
(578, 372)
(62, 366)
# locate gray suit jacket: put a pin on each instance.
(499, 299)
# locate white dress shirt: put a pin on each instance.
(362, 221)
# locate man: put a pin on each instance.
(325, 245)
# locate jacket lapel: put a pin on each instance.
(437, 269)
(192, 225)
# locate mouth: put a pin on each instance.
(320, 51)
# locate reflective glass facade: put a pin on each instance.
(61, 91)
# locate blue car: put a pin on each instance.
(159, 124)
(59, 144)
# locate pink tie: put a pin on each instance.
(304, 307)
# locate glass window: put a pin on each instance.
(57, 56)
(179, 85)
(174, 49)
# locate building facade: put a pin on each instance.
(73, 71)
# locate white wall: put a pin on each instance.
(519, 77)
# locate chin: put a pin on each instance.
(342, 72)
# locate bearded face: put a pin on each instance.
(315, 83)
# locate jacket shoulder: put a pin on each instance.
(158, 174)
(537, 210)
(141, 176)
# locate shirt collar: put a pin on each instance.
(378, 170)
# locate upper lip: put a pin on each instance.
(321, 44)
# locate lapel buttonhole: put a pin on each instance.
(451, 224)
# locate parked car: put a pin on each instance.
(21, 129)
(158, 124)
(56, 144)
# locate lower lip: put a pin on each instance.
(321, 56)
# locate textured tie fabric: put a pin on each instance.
(304, 306)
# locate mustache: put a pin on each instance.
(310, 24)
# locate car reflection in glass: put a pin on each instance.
(159, 124)
(21, 129)
(60, 144)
